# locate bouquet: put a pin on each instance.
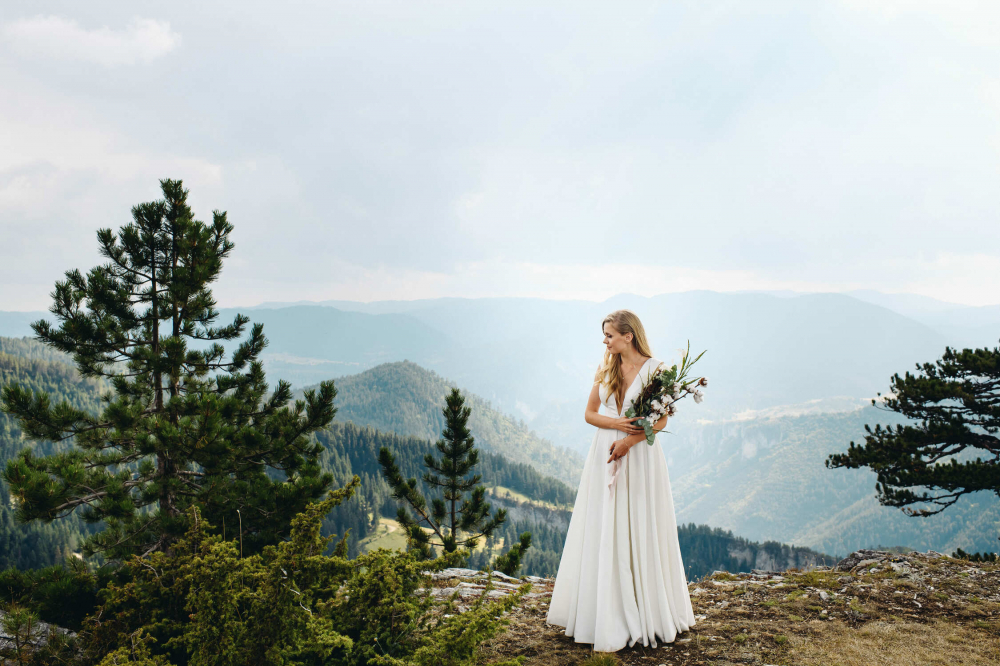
(665, 387)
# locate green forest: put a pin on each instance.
(33, 366)
(350, 449)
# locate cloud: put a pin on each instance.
(59, 38)
(969, 278)
(593, 282)
(371, 152)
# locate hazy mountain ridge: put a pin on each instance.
(771, 359)
(536, 358)
(406, 399)
(765, 479)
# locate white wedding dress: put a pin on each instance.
(621, 579)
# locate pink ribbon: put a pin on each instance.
(615, 468)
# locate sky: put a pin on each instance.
(397, 150)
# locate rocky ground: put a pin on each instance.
(873, 608)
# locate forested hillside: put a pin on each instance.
(536, 357)
(706, 549)
(765, 479)
(393, 395)
(406, 399)
(35, 367)
(352, 449)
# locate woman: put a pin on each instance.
(621, 579)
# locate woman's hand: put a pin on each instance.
(618, 449)
(627, 425)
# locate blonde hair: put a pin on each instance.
(610, 374)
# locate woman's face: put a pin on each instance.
(615, 341)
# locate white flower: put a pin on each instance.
(671, 409)
(656, 405)
(698, 397)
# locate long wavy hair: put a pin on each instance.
(610, 373)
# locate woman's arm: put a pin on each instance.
(594, 417)
(620, 447)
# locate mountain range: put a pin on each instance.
(789, 374)
(404, 398)
(535, 358)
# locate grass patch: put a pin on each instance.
(991, 627)
(795, 618)
(386, 535)
(740, 638)
(781, 640)
(602, 660)
(819, 579)
(881, 643)
(504, 492)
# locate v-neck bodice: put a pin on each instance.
(609, 400)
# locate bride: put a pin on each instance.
(621, 579)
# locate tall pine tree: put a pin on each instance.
(453, 520)
(183, 426)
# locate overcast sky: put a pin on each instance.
(377, 150)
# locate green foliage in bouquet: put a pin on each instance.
(954, 408)
(665, 387)
(183, 426)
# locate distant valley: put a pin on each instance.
(765, 478)
(790, 376)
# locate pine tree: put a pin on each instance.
(182, 426)
(954, 407)
(453, 520)
(510, 561)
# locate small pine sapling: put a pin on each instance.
(452, 520)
